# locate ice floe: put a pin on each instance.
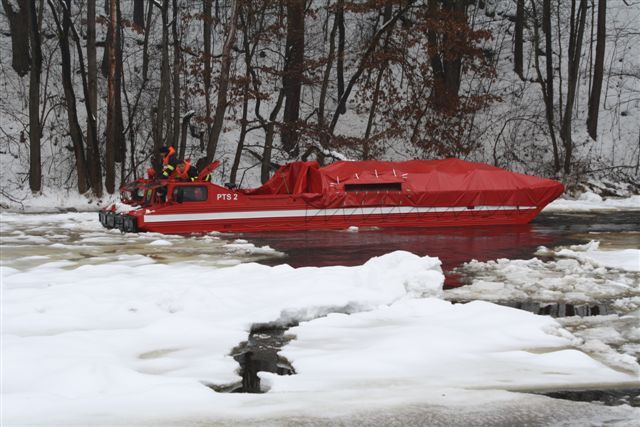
(133, 343)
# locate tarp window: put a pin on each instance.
(375, 186)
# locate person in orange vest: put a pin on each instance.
(169, 161)
(185, 171)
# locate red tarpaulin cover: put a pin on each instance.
(438, 183)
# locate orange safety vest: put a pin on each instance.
(167, 157)
(182, 170)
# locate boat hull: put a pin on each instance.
(341, 218)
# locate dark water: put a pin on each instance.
(259, 353)
(557, 309)
(453, 246)
(614, 397)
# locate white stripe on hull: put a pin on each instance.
(312, 213)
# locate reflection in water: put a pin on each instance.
(259, 354)
(453, 246)
(560, 309)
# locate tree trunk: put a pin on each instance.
(518, 42)
(35, 133)
(113, 88)
(176, 77)
(183, 134)
(265, 169)
(243, 134)
(324, 134)
(206, 57)
(293, 74)
(548, 101)
(446, 66)
(69, 94)
(163, 94)
(225, 69)
(120, 145)
(93, 154)
(145, 44)
(598, 73)
(340, 59)
(575, 51)
(248, 54)
(546, 27)
(138, 13)
(19, 27)
(366, 146)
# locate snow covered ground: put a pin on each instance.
(105, 328)
(592, 202)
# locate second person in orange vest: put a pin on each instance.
(169, 161)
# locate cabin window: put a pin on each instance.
(373, 187)
(192, 193)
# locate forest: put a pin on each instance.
(92, 90)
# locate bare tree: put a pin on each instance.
(221, 106)
(340, 55)
(159, 135)
(382, 65)
(576, 34)
(445, 64)
(598, 71)
(175, 134)
(93, 154)
(324, 134)
(69, 94)
(293, 75)
(362, 64)
(518, 42)
(35, 132)
(249, 18)
(114, 134)
(138, 13)
(546, 84)
(269, 130)
(206, 57)
(19, 27)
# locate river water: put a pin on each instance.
(455, 246)
(79, 238)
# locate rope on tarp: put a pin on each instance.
(286, 186)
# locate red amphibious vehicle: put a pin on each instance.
(303, 196)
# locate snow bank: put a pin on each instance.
(54, 200)
(592, 202)
(131, 343)
(436, 344)
(85, 339)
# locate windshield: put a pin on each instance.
(148, 196)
